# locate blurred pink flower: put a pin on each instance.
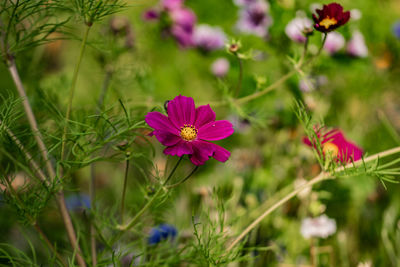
(356, 46)
(220, 67)
(294, 29)
(334, 143)
(254, 18)
(171, 4)
(186, 130)
(334, 42)
(320, 227)
(209, 38)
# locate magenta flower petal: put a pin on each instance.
(202, 151)
(216, 130)
(159, 121)
(166, 138)
(204, 114)
(181, 111)
(180, 149)
(221, 154)
(335, 142)
(186, 130)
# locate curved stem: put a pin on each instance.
(183, 180)
(72, 91)
(321, 177)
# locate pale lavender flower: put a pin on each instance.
(243, 2)
(334, 42)
(209, 38)
(356, 46)
(254, 19)
(220, 67)
(320, 227)
(294, 29)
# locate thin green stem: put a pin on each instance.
(183, 180)
(124, 187)
(239, 83)
(72, 91)
(150, 202)
(321, 177)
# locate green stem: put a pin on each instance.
(183, 180)
(150, 202)
(124, 187)
(72, 91)
(321, 177)
(239, 83)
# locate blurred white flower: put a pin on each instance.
(294, 29)
(365, 264)
(356, 46)
(321, 227)
(334, 42)
(355, 14)
(315, 6)
(220, 67)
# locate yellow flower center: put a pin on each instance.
(330, 149)
(327, 22)
(188, 132)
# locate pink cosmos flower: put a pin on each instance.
(335, 144)
(186, 130)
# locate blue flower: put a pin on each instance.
(161, 233)
(396, 29)
(77, 202)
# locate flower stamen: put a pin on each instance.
(188, 132)
(330, 149)
(327, 22)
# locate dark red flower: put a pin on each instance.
(334, 143)
(330, 17)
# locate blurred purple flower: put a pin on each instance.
(220, 67)
(243, 2)
(396, 29)
(294, 29)
(183, 21)
(176, 20)
(77, 202)
(187, 129)
(334, 42)
(356, 46)
(161, 233)
(320, 227)
(151, 14)
(208, 38)
(254, 19)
